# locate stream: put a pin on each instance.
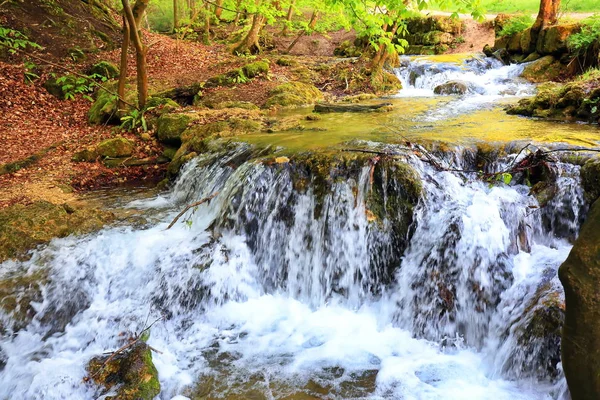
(276, 290)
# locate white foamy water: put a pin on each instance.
(488, 81)
(272, 290)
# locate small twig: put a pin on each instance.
(196, 204)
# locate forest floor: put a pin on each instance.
(48, 131)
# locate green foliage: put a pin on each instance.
(517, 24)
(74, 85)
(15, 40)
(532, 6)
(29, 73)
(589, 34)
(135, 119)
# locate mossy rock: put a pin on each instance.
(105, 108)
(286, 62)
(452, 88)
(105, 69)
(590, 179)
(22, 228)
(437, 37)
(55, 88)
(347, 49)
(110, 148)
(385, 82)
(514, 43)
(544, 69)
(170, 127)
(526, 45)
(18, 292)
(553, 40)
(131, 373)
(164, 103)
(580, 275)
(256, 68)
(294, 94)
(245, 105)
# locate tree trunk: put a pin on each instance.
(140, 49)
(206, 38)
(249, 44)
(311, 25)
(219, 9)
(382, 54)
(288, 18)
(547, 16)
(123, 66)
(175, 15)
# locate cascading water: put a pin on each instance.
(282, 287)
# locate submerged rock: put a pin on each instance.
(452, 87)
(580, 276)
(131, 373)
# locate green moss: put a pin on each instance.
(105, 69)
(437, 37)
(245, 105)
(24, 227)
(115, 148)
(104, 108)
(294, 94)
(166, 104)
(256, 68)
(56, 89)
(286, 62)
(132, 373)
(590, 179)
(544, 69)
(170, 127)
(385, 82)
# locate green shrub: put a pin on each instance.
(580, 42)
(516, 24)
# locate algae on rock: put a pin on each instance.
(294, 94)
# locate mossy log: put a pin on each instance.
(342, 108)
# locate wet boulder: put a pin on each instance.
(130, 373)
(590, 179)
(580, 276)
(452, 87)
(18, 292)
(23, 227)
(544, 69)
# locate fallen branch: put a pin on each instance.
(196, 204)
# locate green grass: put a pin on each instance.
(532, 6)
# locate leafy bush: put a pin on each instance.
(15, 40)
(590, 33)
(516, 25)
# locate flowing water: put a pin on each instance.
(285, 287)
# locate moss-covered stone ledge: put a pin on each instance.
(23, 227)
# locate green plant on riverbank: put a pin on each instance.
(532, 6)
(516, 25)
(582, 41)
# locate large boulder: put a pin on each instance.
(544, 69)
(294, 94)
(170, 127)
(105, 69)
(117, 147)
(590, 179)
(23, 227)
(580, 276)
(437, 37)
(452, 87)
(553, 40)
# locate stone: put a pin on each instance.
(526, 41)
(256, 68)
(437, 37)
(115, 148)
(542, 70)
(488, 51)
(104, 109)
(580, 276)
(452, 87)
(590, 179)
(502, 55)
(553, 40)
(169, 127)
(131, 374)
(293, 94)
(105, 69)
(514, 43)
(532, 57)
(24, 227)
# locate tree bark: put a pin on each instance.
(140, 49)
(123, 66)
(547, 16)
(288, 18)
(249, 43)
(382, 54)
(219, 9)
(175, 15)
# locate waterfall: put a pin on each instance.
(334, 277)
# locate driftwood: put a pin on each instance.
(341, 108)
(196, 204)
